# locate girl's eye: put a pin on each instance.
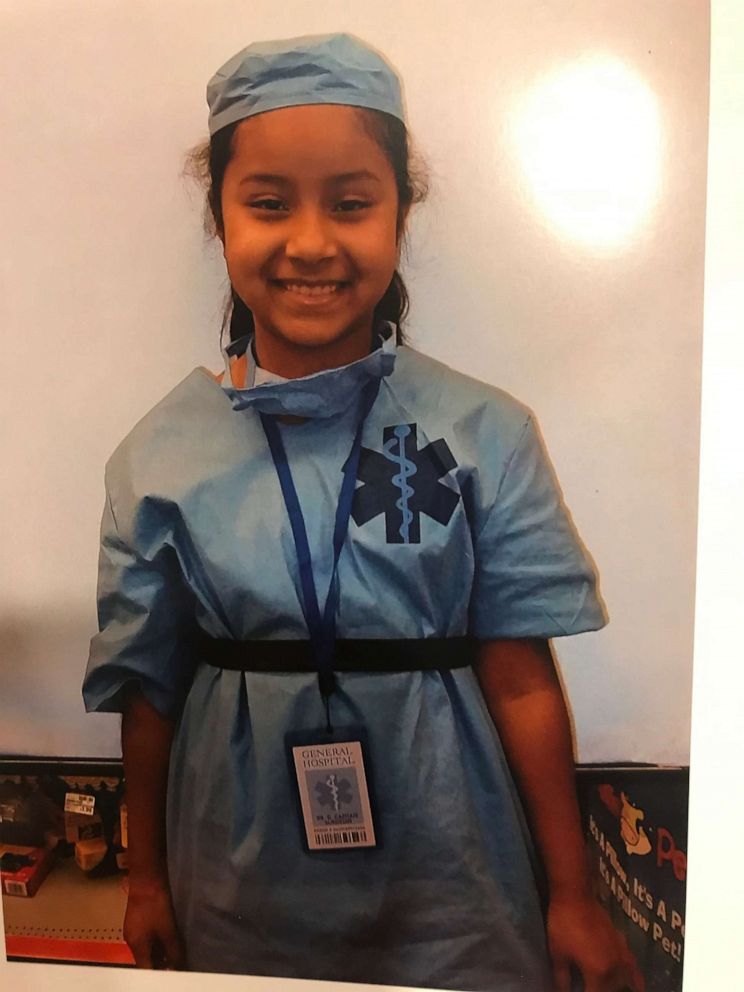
(352, 205)
(268, 203)
(273, 204)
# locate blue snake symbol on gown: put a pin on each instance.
(388, 486)
(407, 468)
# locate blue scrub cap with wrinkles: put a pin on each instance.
(326, 68)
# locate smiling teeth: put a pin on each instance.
(320, 290)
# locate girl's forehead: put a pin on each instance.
(293, 126)
(324, 136)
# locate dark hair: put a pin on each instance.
(207, 164)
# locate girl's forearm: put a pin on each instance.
(524, 697)
(146, 739)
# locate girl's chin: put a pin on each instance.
(315, 332)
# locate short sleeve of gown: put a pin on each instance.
(145, 613)
(533, 577)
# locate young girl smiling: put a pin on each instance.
(327, 584)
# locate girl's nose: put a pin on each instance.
(310, 237)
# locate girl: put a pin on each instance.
(327, 584)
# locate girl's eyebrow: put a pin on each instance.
(277, 180)
(264, 177)
(348, 177)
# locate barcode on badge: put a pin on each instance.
(333, 837)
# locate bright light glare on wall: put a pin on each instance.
(588, 139)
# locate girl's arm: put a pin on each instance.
(149, 924)
(524, 697)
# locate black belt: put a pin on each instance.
(350, 655)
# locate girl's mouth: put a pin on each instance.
(311, 293)
(302, 288)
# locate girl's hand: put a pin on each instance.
(150, 926)
(581, 935)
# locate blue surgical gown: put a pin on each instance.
(458, 528)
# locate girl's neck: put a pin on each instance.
(291, 360)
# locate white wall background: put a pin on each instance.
(108, 296)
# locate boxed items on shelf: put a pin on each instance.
(81, 827)
(24, 815)
(23, 869)
(89, 854)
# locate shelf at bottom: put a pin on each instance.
(71, 919)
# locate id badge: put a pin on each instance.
(333, 781)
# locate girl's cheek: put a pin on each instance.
(244, 244)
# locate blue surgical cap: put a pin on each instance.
(327, 68)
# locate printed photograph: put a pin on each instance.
(352, 387)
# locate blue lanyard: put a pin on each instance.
(321, 627)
